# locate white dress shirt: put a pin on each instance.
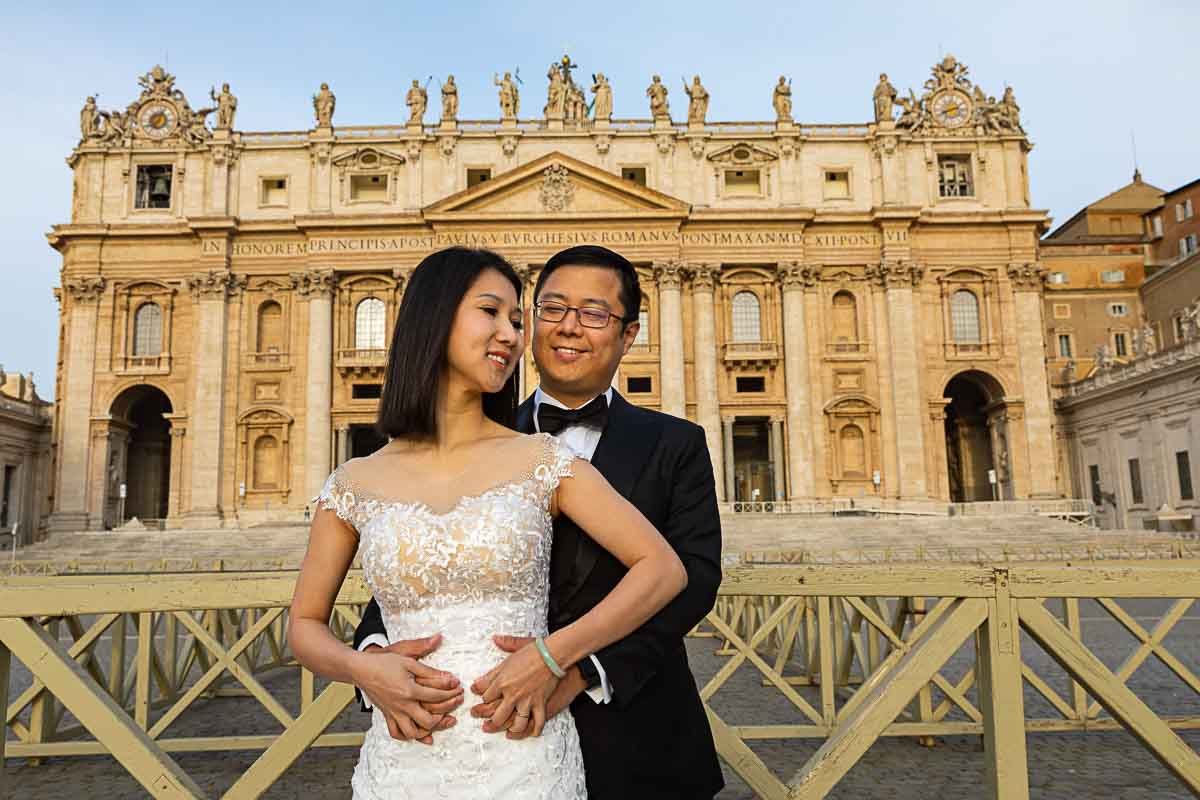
(582, 440)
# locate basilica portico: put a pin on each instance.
(847, 310)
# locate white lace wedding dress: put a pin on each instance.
(477, 568)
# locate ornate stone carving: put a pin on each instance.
(314, 284)
(510, 96)
(1026, 277)
(697, 143)
(1144, 343)
(161, 113)
(557, 188)
(602, 102)
(665, 143)
(449, 100)
(660, 108)
(697, 101)
(781, 100)
(885, 99)
(670, 274)
(215, 285)
(226, 107)
(705, 277)
(556, 94)
(603, 142)
(1103, 358)
(417, 100)
(896, 274)
(509, 144)
(446, 145)
(324, 103)
(84, 290)
(400, 275)
(797, 275)
(321, 152)
(565, 99)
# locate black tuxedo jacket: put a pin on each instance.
(653, 739)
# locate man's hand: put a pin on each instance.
(559, 698)
(415, 700)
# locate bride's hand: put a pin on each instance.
(518, 690)
(398, 685)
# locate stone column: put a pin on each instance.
(898, 279)
(210, 292)
(794, 278)
(1026, 281)
(730, 484)
(318, 288)
(670, 277)
(708, 405)
(777, 460)
(175, 492)
(342, 454)
(74, 439)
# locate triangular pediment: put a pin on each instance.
(556, 186)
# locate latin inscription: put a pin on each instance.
(508, 239)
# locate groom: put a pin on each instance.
(642, 726)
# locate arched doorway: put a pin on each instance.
(140, 455)
(976, 439)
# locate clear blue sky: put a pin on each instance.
(1086, 74)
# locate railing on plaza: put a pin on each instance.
(851, 651)
(1065, 508)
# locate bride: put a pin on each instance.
(453, 521)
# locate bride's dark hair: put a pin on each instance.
(417, 356)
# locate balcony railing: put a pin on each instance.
(971, 349)
(750, 351)
(268, 359)
(846, 348)
(145, 364)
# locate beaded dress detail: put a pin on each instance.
(477, 568)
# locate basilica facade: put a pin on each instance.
(847, 310)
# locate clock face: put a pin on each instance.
(952, 109)
(157, 120)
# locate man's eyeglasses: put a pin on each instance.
(589, 316)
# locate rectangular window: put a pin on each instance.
(1112, 276)
(1058, 277)
(1183, 464)
(837, 185)
(1178, 328)
(478, 176)
(1119, 345)
(1064, 345)
(1157, 230)
(1179, 212)
(6, 499)
(639, 385)
(643, 334)
(742, 183)
(366, 391)
(1187, 208)
(1114, 224)
(273, 192)
(153, 186)
(954, 176)
(1191, 242)
(1094, 475)
(1062, 311)
(1135, 481)
(751, 384)
(371, 188)
(635, 174)
(1183, 247)
(1117, 309)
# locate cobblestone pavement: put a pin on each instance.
(1062, 766)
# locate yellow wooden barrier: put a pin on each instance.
(856, 650)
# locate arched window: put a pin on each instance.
(270, 327)
(147, 330)
(266, 463)
(845, 322)
(964, 317)
(643, 336)
(854, 451)
(369, 322)
(747, 321)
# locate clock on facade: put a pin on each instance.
(157, 120)
(952, 109)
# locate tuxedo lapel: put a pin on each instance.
(628, 441)
(525, 416)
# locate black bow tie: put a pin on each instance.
(552, 419)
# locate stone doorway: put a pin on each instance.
(753, 471)
(976, 439)
(139, 456)
(364, 440)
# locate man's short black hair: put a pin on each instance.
(590, 255)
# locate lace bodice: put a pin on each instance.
(479, 567)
